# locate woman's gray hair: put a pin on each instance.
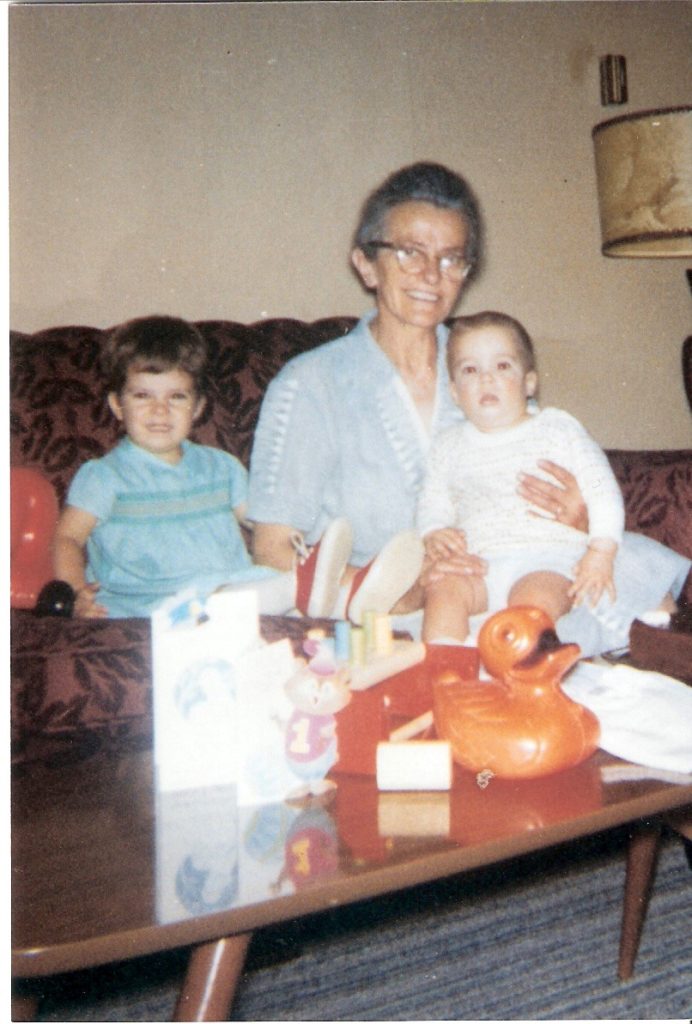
(424, 183)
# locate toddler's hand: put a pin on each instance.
(594, 574)
(85, 606)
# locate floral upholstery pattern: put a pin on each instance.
(91, 680)
(657, 488)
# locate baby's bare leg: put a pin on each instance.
(546, 590)
(449, 602)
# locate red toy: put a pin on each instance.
(373, 714)
(33, 517)
(518, 725)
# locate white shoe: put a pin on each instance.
(382, 582)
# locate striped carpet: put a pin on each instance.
(534, 939)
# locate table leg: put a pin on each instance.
(641, 867)
(211, 979)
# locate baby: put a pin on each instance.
(469, 499)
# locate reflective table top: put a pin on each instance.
(105, 867)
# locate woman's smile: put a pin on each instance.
(423, 296)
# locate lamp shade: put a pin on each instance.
(644, 175)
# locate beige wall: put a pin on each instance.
(208, 160)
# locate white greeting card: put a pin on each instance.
(194, 649)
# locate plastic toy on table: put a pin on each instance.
(396, 707)
(317, 690)
(372, 652)
(518, 724)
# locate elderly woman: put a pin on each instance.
(345, 428)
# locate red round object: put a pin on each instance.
(33, 517)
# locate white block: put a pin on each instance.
(414, 765)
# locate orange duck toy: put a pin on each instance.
(518, 725)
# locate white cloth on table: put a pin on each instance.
(645, 717)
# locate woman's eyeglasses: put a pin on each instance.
(414, 261)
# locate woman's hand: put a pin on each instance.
(562, 501)
(593, 574)
(85, 605)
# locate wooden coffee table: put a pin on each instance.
(104, 870)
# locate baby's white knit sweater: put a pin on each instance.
(471, 483)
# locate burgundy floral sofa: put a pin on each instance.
(91, 679)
